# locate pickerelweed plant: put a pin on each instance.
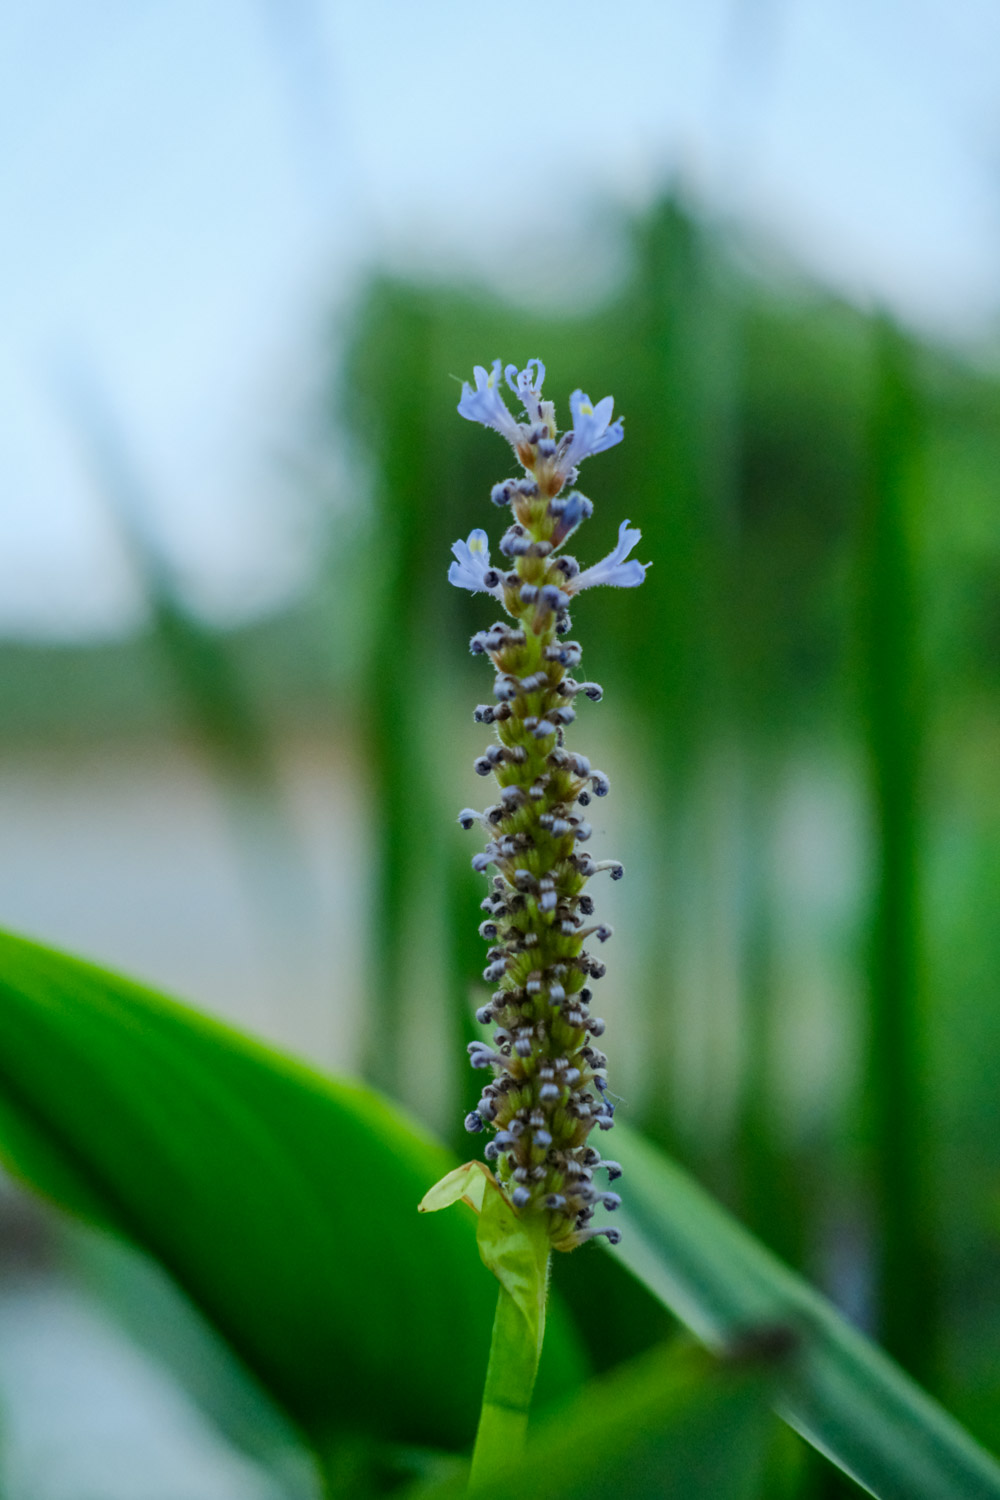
(548, 1083)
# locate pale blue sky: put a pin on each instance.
(187, 187)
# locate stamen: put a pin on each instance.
(612, 1235)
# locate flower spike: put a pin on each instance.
(547, 1088)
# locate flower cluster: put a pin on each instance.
(548, 1083)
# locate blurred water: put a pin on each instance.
(127, 855)
(124, 854)
(89, 1416)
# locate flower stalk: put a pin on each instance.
(548, 1080)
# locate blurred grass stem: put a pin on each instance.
(895, 714)
(217, 702)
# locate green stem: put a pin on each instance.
(515, 1350)
(906, 1269)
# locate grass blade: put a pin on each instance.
(847, 1398)
(216, 701)
(894, 718)
(391, 379)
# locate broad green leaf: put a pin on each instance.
(668, 1426)
(847, 1398)
(283, 1203)
(153, 1313)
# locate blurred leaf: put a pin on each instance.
(668, 1425)
(907, 1294)
(283, 1203)
(218, 704)
(155, 1315)
(617, 1314)
(847, 1398)
(212, 691)
(390, 401)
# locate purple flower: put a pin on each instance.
(576, 508)
(471, 569)
(613, 569)
(486, 405)
(527, 384)
(593, 430)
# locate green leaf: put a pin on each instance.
(847, 1398)
(283, 1203)
(893, 607)
(670, 1425)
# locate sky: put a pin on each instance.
(190, 190)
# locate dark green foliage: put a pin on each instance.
(284, 1205)
(841, 1393)
(891, 677)
(617, 1315)
(394, 419)
(668, 1427)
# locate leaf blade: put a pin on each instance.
(666, 1426)
(285, 1204)
(847, 1398)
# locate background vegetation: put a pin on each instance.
(801, 718)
